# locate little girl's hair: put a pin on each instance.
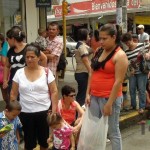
(54, 119)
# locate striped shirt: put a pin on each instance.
(135, 56)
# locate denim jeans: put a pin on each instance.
(96, 109)
(82, 80)
(138, 82)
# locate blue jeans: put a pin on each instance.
(82, 80)
(138, 82)
(96, 109)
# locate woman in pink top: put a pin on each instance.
(104, 95)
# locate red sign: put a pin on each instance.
(94, 6)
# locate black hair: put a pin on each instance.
(53, 24)
(112, 30)
(66, 90)
(16, 33)
(13, 105)
(83, 34)
(96, 35)
(33, 47)
(126, 37)
(54, 119)
(135, 36)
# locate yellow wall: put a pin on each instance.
(142, 20)
(145, 2)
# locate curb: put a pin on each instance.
(131, 118)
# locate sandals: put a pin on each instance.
(141, 111)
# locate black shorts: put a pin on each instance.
(35, 129)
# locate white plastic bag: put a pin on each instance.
(93, 133)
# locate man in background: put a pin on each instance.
(142, 36)
(55, 48)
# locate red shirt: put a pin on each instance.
(69, 115)
(102, 80)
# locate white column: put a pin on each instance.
(32, 20)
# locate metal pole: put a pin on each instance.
(64, 29)
(64, 35)
(119, 12)
(124, 17)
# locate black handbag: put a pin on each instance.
(144, 63)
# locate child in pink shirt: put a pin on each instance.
(61, 133)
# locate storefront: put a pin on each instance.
(23, 13)
(10, 14)
(91, 13)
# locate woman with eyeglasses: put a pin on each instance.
(15, 57)
(68, 108)
(37, 91)
(104, 91)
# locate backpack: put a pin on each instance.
(62, 62)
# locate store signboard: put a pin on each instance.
(43, 3)
(142, 20)
(94, 6)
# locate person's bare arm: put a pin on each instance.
(80, 118)
(3, 60)
(14, 91)
(43, 59)
(54, 96)
(18, 136)
(6, 73)
(50, 139)
(87, 64)
(51, 57)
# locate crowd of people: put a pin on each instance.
(30, 85)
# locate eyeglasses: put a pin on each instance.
(72, 95)
(139, 28)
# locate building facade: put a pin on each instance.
(23, 13)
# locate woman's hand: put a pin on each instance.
(76, 129)
(87, 100)
(49, 140)
(72, 148)
(5, 84)
(107, 109)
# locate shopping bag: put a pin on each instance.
(1, 73)
(93, 133)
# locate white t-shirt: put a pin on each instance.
(143, 37)
(34, 96)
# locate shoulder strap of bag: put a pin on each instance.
(46, 72)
